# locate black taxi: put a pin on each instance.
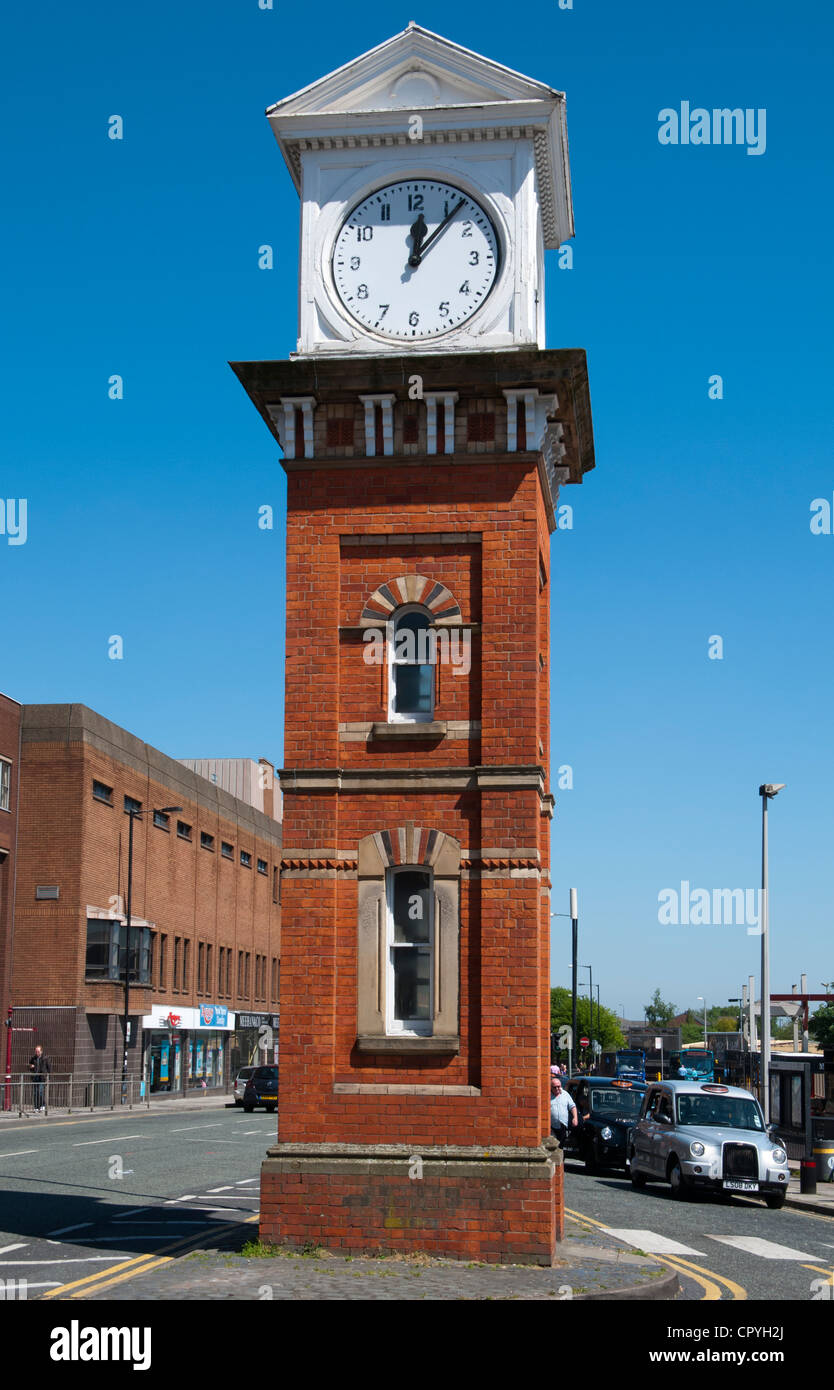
(608, 1108)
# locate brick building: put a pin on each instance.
(10, 712)
(205, 938)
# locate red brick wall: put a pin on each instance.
(70, 839)
(10, 751)
(496, 1219)
(504, 947)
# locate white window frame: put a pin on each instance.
(5, 784)
(420, 716)
(398, 1027)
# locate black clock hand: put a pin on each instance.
(418, 232)
(421, 250)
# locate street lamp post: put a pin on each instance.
(133, 812)
(574, 923)
(704, 1002)
(574, 932)
(767, 791)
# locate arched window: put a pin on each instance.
(411, 645)
(408, 941)
(410, 950)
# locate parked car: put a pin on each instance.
(608, 1109)
(261, 1089)
(704, 1135)
(240, 1083)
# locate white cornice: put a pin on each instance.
(480, 101)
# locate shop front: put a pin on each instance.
(254, 1041)
(187, 1049)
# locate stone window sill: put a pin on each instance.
(369, 1043)
(435, 728)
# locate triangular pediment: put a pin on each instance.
(415, 70)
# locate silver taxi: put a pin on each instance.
(703, 1134)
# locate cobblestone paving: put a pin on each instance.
(587, 1269)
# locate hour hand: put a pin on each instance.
(418, 236)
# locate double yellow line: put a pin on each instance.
(141, 1264)
(711, 1285)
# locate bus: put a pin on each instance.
(691, 1064)
(630, 1064)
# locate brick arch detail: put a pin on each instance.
(413, 588)
(408, 844)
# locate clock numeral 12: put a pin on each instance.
(415, 202)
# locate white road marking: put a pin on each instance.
(18, 1153)
(172, 1201)
(243, 1181)
(21, 1245)
(186, 1128)
(651, 1242)
(46, 1284)
(132, 1211)
(254, 1131)
(765, 1249)
(117, 1139)
(227, 1188)
(84, 1260)
(65, 1229)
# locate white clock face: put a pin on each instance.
(415, 260)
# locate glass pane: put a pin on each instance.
(412, 689)
(411, 982)
(796, 1101)
(409, 649)
(98, 948)
(412, 906)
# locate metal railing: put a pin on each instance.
(71, 1091)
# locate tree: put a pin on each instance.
(692, 1030)
(607, 1031)
(658, 1011)
(821, 1024)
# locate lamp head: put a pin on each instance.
(769, 789)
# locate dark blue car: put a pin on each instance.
(608, 1110)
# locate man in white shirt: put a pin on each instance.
(562, 1108)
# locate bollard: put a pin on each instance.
(824, 1158)
(808, 1175)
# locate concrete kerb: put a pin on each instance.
(175, 1104)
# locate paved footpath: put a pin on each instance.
(588, 1269)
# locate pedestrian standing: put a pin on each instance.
(562, 1108)
(39, 1065)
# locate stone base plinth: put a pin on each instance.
(504, 1205)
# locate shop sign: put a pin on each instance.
(257, 1020)
(213, 1015)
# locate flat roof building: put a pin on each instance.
(205, 909)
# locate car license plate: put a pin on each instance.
(738, 1186)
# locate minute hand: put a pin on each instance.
(415, 260)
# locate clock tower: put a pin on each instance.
(426, 432)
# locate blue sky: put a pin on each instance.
(139, 257)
